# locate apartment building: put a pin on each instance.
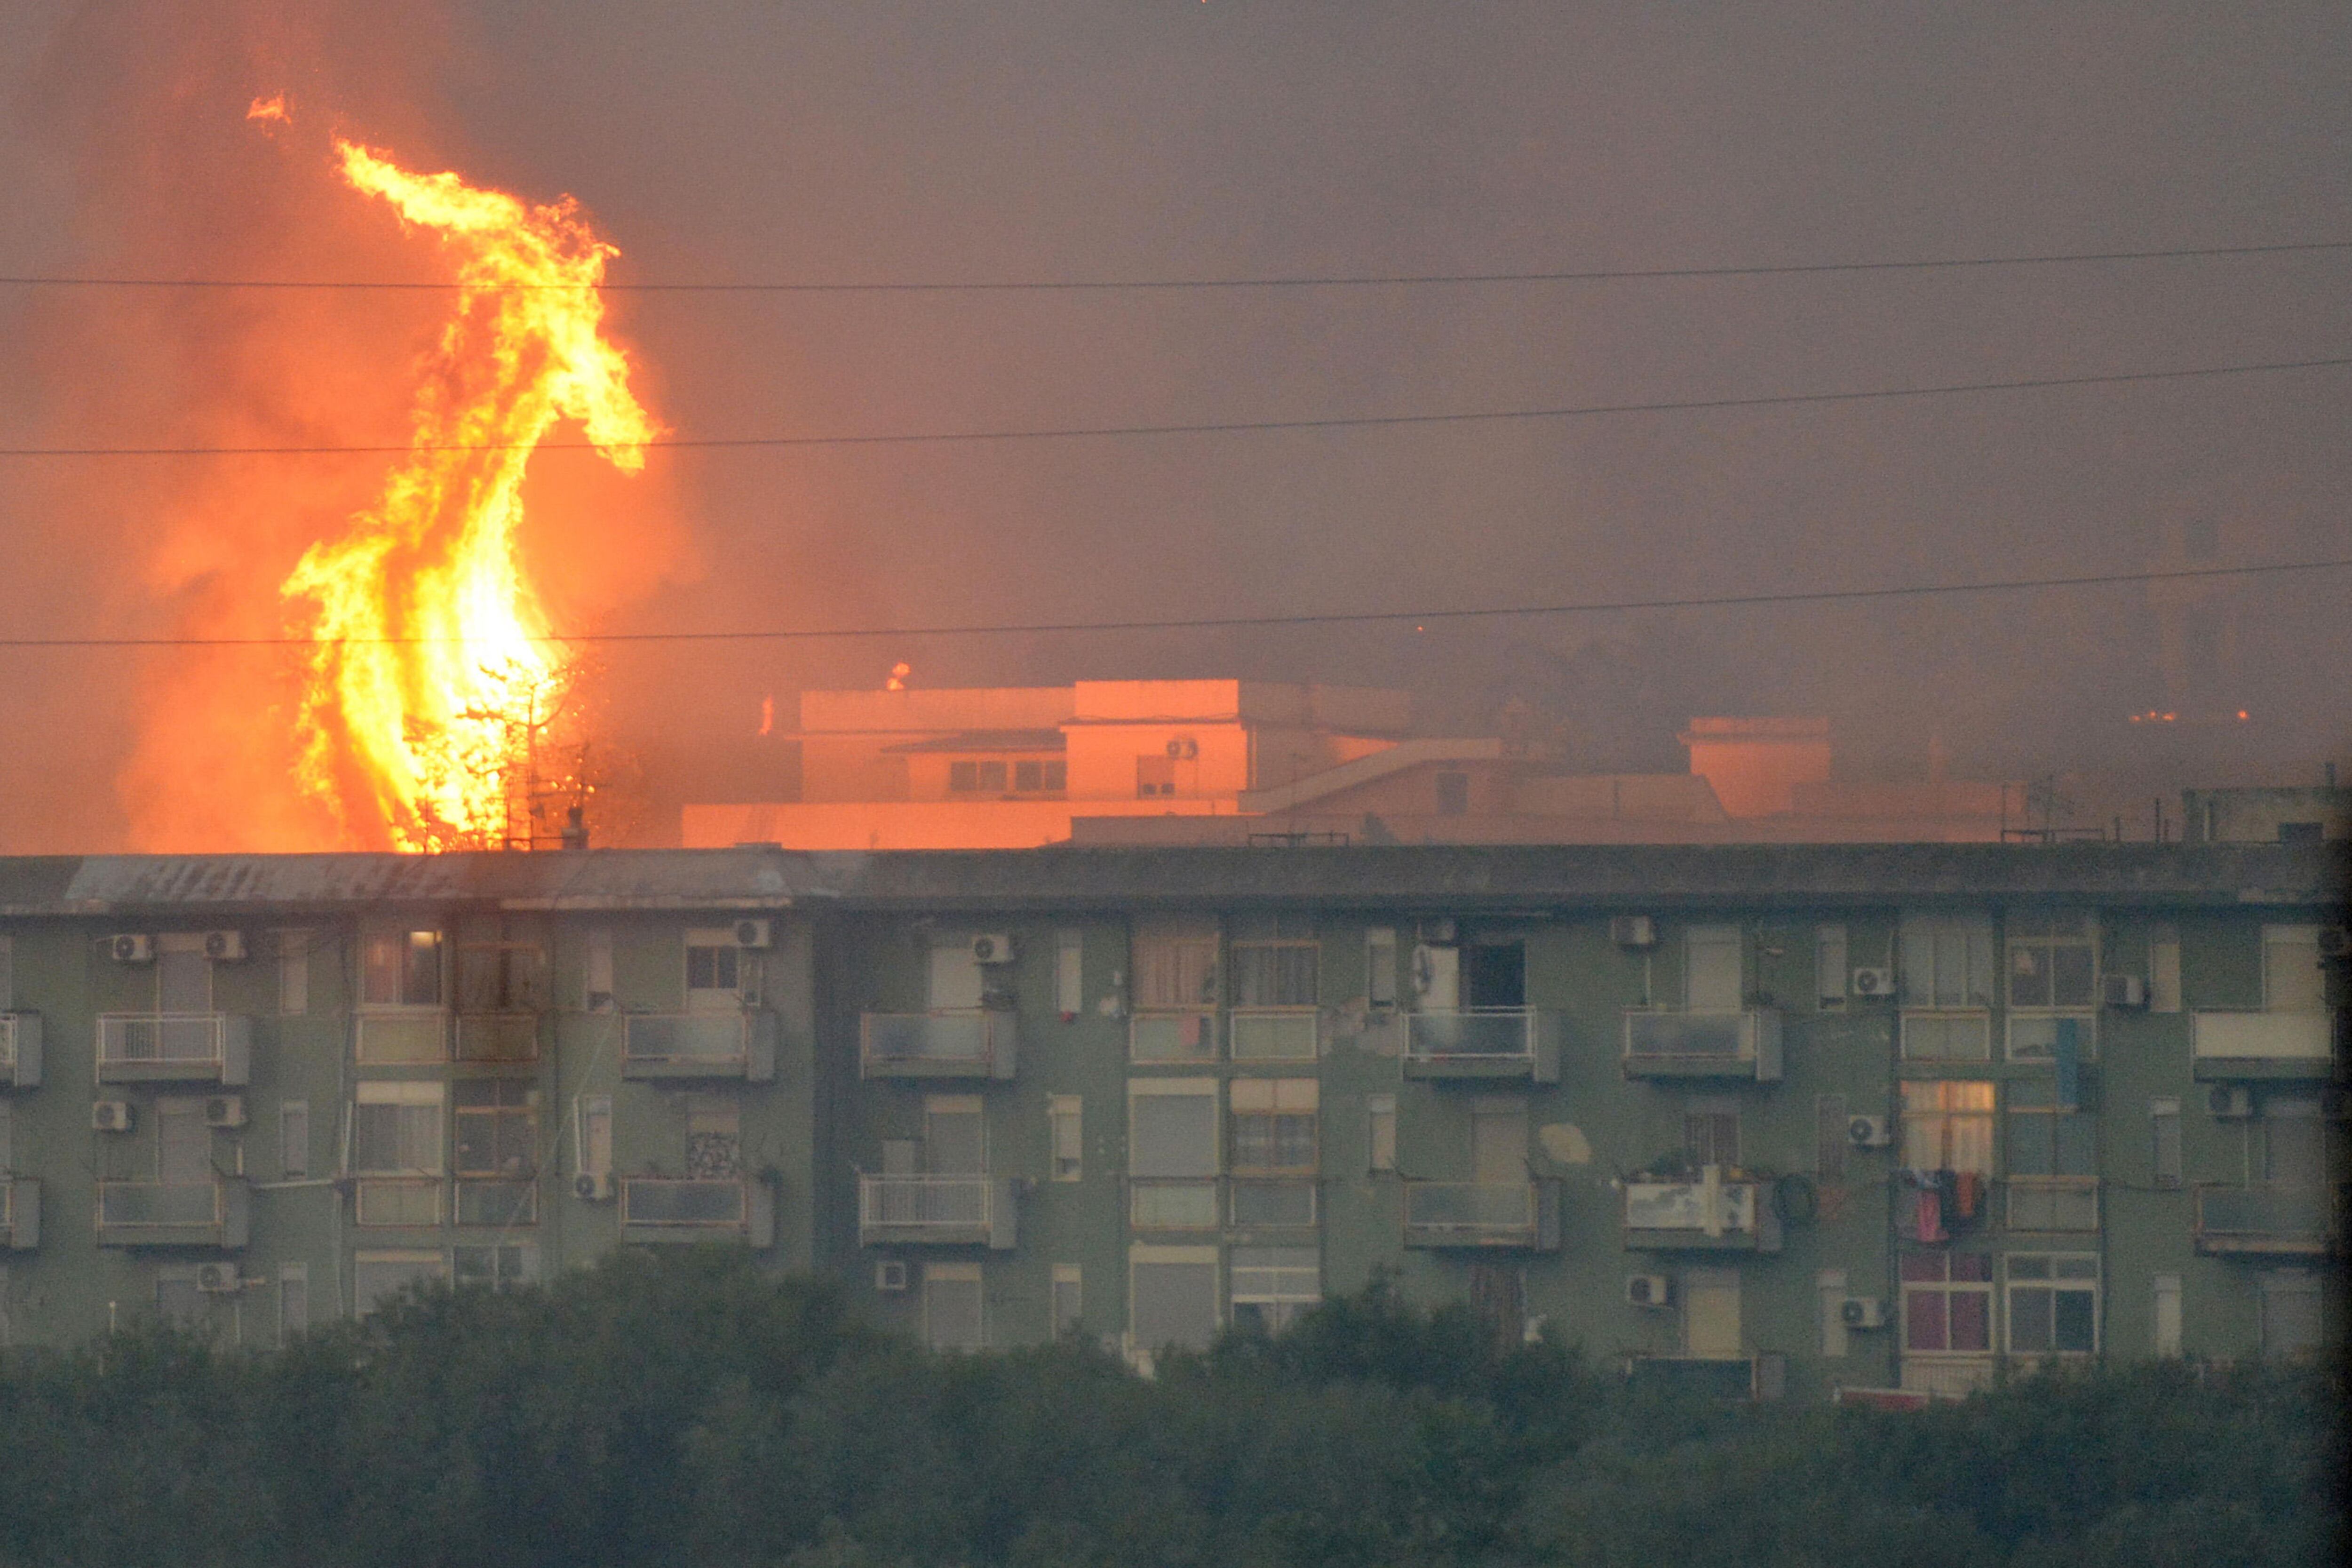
(1762, 1119)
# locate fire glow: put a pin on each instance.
(435, 672)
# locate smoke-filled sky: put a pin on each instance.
(887, 142)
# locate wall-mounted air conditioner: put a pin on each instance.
(1873, 981)
(1632, 930)
(991, 947)
(889, 1276)
(751, 933)
(595, 1187)
(224, 1111)
(1651, 1290)
(217, 1278)
(1862, 1312)
(110, 1116)
(1868, 1131)
(132, 947)
(2122, 990)
(225, 946)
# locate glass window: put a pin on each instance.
(1272, 1284)
(1947, 961)
(952, 1307)
(497, 1127)
(396, 1130)
(1274, 1123)
(1947, 1126)
(2054, 1304)
(2051, 960)
(401, 969)
(713, 966)
(1275, 973)
(1946, 1038)
(493, 1268)
(2292, 979)
(1065, 1116)
(1172, 972)
(1947, 1302)
(502, 977)
(2041, 1038)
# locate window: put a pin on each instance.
(1381, 1133)
(401, 969)
(1946, 1303)
(1171, 1296)
(1069, 974)
(1947, 961)
(293, 1301)
(1175, 972)
(502, 977)
(1041, 777)
(2291, 981)
(497, 1128)
(713, 967)
(1711, 1137)
(1947, 1126)
(293, 975)
(2052, 1037)
(1453, 794)
(293, 1138)
(597, 974)
(1946, 1038)
(2052, 962)
(952, 1307)
(379, 1277)
(1274, 973)
(497, 1267)
(2163, 969)
(2294, 1152)
(1171, 1153)
(1829, 966)
(1154, 776)
(1272, 1284)
(1712, 981)
(2164, 1130)
(2054, 1304)
(1830, 1140)
(2167, 1294)
(2291, 1324)
(974, 777)
(1065, 1116)
(1381, 967)
(1068, 1299)
(1275, 1124)
(2051, 1163)
(396, 1129)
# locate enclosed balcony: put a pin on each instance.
(740, 1044)
(954, 1042)
(2306, 1222)
(397, 1202)
(1173, 1036)
(2226, 1047)
(215, 1213)
(1710, 1214)
(1482, 1043)
(1173, 1202)
(175, 1047)
(20, 1214)
(510, 1036)
(937, 1211)
(1745, 1045)
(1274, 1033)
(20, 1050)
(687, 1209)
(1519, 1215)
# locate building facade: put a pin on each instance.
(1761, 1119)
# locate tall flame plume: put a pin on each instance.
(434, 670)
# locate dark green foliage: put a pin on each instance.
(690, 1409)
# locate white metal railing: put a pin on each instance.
(712, 1040)
(1469, 1211)
(194, 1040)
(975, 1039)
(916, 1206)
(1471, 1034)
(160, 1206)
(2223, 1037)
(684, 1201)
(1189, 1035)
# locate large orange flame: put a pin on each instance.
(435, 654)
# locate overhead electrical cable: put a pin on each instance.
(1220, 427)
(1221, 622)
(1307, 281)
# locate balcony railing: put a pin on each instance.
(937, 1211)
(414, 1202)
(2294, 1221)
(957, 1042)
(1482, 1042)
(404, 1037)
(190, 1047)
(215, 1214)
(1738, 1378)
(1173, 1202)
(2227, 1046)
(20, 1212)
(674, 1209)
(20, 1050)
(1181, 1036)
(1710, 1214)
(1703, 1045)
(1274, 1033)
(1520, 1215)
(506, 1037)
(699, 1045)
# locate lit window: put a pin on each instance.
(401, 969)
(1947, 1126)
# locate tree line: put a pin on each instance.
(692, 1409)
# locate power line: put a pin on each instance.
(1355, 422)
(1347, 617)
(1321, 280)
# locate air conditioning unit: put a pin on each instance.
(889, 1276)
(132, 948)
(1632, 930)
(2335, 941)
(2122, 990)
(991, 947)
(110, 1116)
(1183, 749)
(595, 1187)
(1648, 1291)
(2230, 1102)
(1868, 1131)
(224, 1111)
(751, 933)
(1876, 981)
(225, 946)
(218, 1279)
(1862, 1312)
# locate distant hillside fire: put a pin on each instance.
(429, 701)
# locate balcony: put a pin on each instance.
(1271, 1202)
(1274, 1033)
(510, 1036)
(20, 1214)
(1173, 1202)
(404, 1038)
(175, 1047)
(497, 1200)
(1710, 1214)
(412, 1201)
(1522, 1216)
(937, 1211)
(20, 1050)
(2237, 1047)
(215, 1213)
(1744, 1045)
(2306, 1222)
(1482, 1043)
(686, 1209)
(699, 1046)
(1739, 1379)
(1184, 1038)
(958, 1042)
